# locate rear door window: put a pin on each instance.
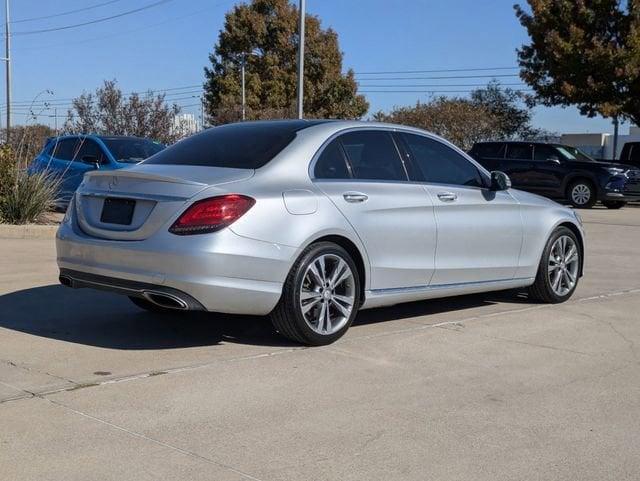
(332, 163)
(64, 149)
(490, 150)
(372, 155)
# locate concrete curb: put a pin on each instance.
(28, 231)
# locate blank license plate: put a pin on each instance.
(117, 211)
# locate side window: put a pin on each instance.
(64, 149)
(520, 151)
(634, 155)
(490, 150)
(331, 164)
(88, 147)
(373, 155)
(545, 152)
(440, 164)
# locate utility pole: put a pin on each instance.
(615, 138)
(202, 113)
(8, 60)
(243, 59)
(301, 60)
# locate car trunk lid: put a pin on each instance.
(133, 203)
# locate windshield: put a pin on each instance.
(131, 149)
(572, 153)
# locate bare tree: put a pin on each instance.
(109, 112)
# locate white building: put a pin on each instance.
(185, 124)
(600, 146)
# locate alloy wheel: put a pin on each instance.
(564, 262)
(581, 194)
(327, 294)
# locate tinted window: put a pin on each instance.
(88, 148)
(545, 152)
(520, 151)
(131, 149)
(373, 155)
(247, 145)
(489, 150)
(331, 164)
(441, 164)
(635, 153)
(64, 149)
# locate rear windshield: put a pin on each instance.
(131, 149)
(242, 146)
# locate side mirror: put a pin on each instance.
(500, 181)
(91, 160)
(554, 159)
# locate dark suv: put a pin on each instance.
(631, 154)
(561, 172)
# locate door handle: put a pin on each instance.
(447, 196)
(355, 197)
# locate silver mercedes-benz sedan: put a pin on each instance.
(310, 221)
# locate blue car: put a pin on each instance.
(70, 156)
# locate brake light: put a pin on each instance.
(212, 214)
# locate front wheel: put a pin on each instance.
(559, 268)
(614, 204)
(321, 296)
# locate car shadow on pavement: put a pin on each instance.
(111, 321)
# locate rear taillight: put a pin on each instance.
(212, 214)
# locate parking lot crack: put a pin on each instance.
(149, 439)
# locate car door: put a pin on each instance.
(479, 230)
(549, 170)
(519, 165)
(66, 158)
(361, 171)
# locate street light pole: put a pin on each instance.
(8, 60)
(301, 60)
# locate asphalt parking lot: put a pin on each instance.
(484, 387)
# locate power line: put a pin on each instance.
(425, 91)
(439, 85)
(68, 12)
(437, 71)
(139, 92)
(442, 77)
(91, 22)
(124, 32)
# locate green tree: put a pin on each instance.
(110, 112)
(584, 53)
(460, 121)
(264, 34)
(507, 106)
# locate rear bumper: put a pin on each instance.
(220, 272)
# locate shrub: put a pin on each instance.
(24, 197)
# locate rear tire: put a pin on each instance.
(559, 269)
(614, 204)
(581, 194)
(320, 297)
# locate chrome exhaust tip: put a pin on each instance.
(165, 300)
